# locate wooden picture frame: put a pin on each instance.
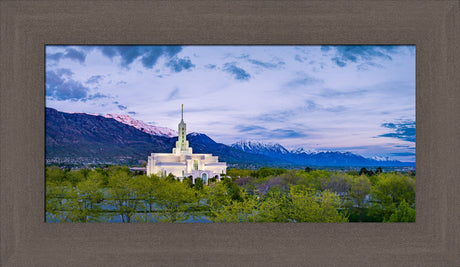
(26, 27)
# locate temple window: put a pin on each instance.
(195, 165)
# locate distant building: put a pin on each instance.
(183, 163)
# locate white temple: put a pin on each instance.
(183, 163)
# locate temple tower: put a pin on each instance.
(182, 145)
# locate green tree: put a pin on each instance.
(174, 200)
(73, 207)
(55, 196)
(222, 208)
(145, 190)
(237, 211)
(103, 176)
(68, 203)
(290, 178)
(122, 194)
(310, 179)
(188, 182)
(337, 182)
(198, 184)
(274, 207)
(403, 213)
(233, 190)
(54, 174)
(360, 189)
(218, 196)
(363, 171)
(389, 192)
(76, 176)
(394, 187)
(265, 172)
(170, 178)
(213, 179)
(144, 186)
(308, 206)
(81, 203)
(237, 173)
(91, 194)
(352, 172)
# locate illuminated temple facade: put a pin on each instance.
(182, 162)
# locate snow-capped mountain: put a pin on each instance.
(311, 152)
(256, 147)
(302, 150)
(310, 156)
(379, 158)
(140, 125)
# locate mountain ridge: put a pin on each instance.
(319, 158)
(74, 137)
(144, 127)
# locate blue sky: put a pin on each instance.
(345, 98)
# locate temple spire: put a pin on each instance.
(182, 145)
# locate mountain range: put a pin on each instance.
(80, 138)
(144, 127)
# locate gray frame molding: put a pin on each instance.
(26, 26)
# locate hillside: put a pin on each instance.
(79, 138)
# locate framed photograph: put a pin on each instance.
(41, 40)
(269, 134)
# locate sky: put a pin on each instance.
(359, 99)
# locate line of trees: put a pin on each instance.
(265, 195)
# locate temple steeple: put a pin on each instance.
(182, 118)
(182, 143)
